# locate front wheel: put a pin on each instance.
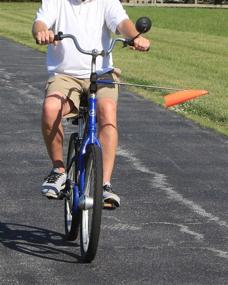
(93, 194)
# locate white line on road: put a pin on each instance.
(160, 182)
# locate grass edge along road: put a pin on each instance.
(189, 50)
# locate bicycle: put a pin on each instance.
(83, 192)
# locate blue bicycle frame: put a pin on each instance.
(90, 137)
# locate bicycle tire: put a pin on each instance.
(91, 218)
(71, 217)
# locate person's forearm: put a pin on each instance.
(127, 29)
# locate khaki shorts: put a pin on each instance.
(73, 88)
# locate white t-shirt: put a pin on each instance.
(91, 22)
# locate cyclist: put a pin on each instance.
(91, 22)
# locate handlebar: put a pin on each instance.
(142, 25)
(126, 42)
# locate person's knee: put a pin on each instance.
(106, 112)
(52, 107)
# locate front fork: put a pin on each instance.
(91, 138)
(80, 199)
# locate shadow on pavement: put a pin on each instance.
(38, 242)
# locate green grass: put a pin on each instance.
(189, 50)
(16, 22)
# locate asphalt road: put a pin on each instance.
(171, 174)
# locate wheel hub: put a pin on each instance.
(85, 202)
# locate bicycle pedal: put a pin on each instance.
(62, 195)
(108, 206)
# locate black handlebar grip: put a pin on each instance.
(58, 37)
(129, 42)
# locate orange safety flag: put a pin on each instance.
(182, 96)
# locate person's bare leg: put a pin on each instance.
(55, 106)
(108, 135)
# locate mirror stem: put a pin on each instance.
(136, 36)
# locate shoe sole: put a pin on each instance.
(50, 195)
(53, 195)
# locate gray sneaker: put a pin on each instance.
(53, 184)
(110, 198)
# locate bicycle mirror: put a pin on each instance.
(143, 25)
